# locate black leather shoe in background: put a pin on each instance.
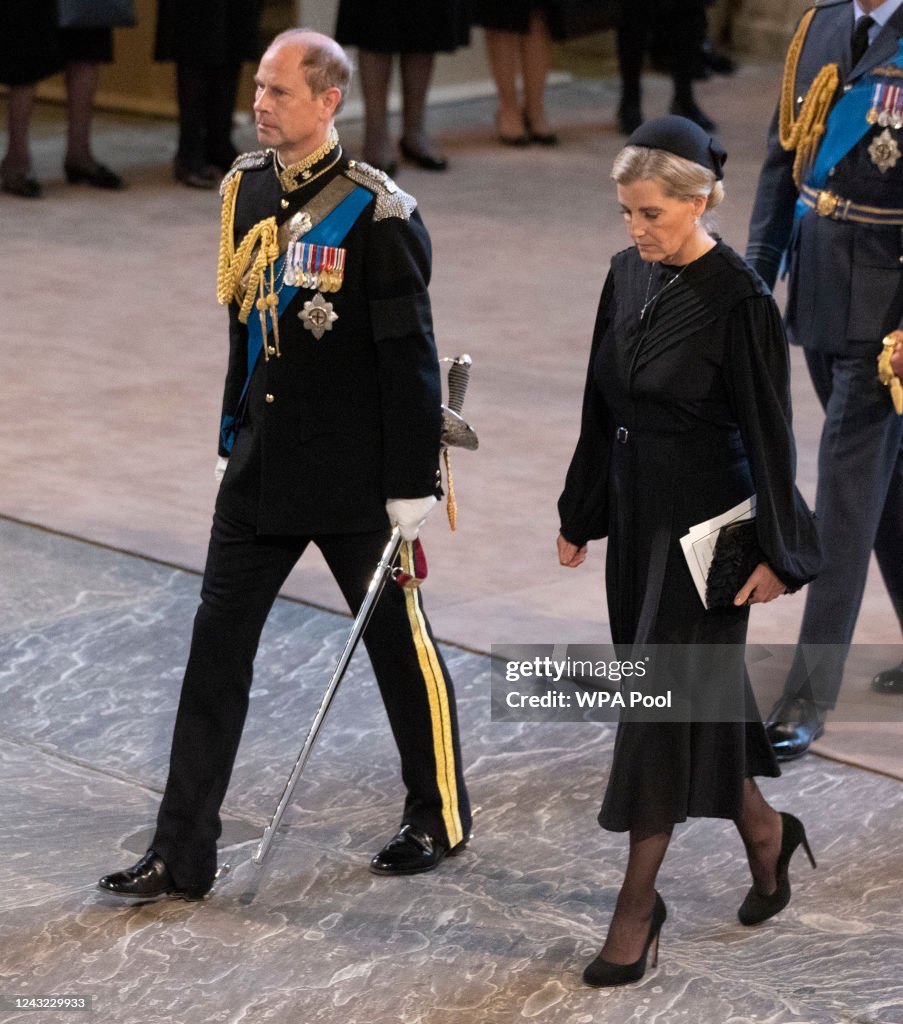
(694, 113)
(425, 161)
(410, 852)
(96, 175)
(792, 727)
(889, 681)
(196, 176)
(149, 879)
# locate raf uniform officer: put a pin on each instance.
(830, 204)
(331, 431)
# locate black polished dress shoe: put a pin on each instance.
(410, 852)
(889, 681)
(792, 727)
(425, 161)
(201, 176)
(149, 879)
(755, 908)
(96, 175)
(693, 113)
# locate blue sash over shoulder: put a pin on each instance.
(330, 231)
(846, 126)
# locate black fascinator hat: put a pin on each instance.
(682, 137)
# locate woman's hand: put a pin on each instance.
(569, 554)
(761, 587)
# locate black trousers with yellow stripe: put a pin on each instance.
(242, 578)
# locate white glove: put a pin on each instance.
(409, 514)
(220, 469)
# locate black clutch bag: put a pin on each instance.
(736, 554)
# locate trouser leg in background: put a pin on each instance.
(221, 91)
(191, 84)
(859, 504)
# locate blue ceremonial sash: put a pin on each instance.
(845, 127)
(330, 231)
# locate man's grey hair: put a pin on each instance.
(324, 63)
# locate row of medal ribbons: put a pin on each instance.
(314, 266)
(887, 106)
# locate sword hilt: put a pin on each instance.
(455, 432)
(458, 379)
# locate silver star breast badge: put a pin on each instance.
(884, 151)
(318, 316)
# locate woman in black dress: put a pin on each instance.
(416, 31)
(519, 42)
(32, 47)
(686, 414)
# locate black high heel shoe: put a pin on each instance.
(540, 138)
(756, 908)
(603, 974)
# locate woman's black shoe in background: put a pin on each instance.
(96, 175)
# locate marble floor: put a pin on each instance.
(92, 645)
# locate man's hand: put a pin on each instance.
(219, 470)
(409, 514)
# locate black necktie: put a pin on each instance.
(860, 41)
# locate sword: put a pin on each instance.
(455, 432)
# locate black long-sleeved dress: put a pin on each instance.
(699, 390)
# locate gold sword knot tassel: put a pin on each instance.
(886, 374)
(451, 506)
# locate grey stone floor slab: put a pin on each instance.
(91, 650)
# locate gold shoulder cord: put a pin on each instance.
(804, 132)
(235, 279)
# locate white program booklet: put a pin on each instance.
(699, 544)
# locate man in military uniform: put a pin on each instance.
(830, 205)
(330, 433)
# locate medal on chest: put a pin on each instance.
(320, 267)
(884, 151)
(318, 316)
(886, 110)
